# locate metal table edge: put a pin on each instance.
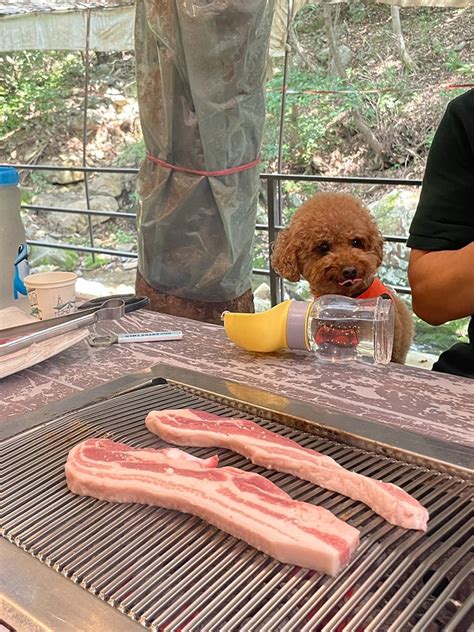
(362, 432)
(32, 599)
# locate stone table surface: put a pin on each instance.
(428, 403)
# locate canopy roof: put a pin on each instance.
(40, 6)
(62, 25)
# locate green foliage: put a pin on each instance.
(294, 194)
(34, 83)
(357, 11)
(26, 195)
(66, 260)
(39, 181)
(125, 237)
(309, 18)
(307, 116)
(435, 340)
(132, 154)
(260, 256)
(427, 20)
(455, 64)
(79, 239)
(429, 138)
(135, 198)
(93, 262)
(299, 291)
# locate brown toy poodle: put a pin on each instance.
(334, 243)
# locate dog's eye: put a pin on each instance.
(323, 248)
(357, 243)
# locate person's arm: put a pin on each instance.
(442, 284)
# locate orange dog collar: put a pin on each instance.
(376, 288)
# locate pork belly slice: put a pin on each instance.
(186, 427)
(246, 505)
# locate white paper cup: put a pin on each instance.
(51, 294)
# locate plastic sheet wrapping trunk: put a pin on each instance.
(200, 73)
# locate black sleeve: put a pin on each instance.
(444, 219)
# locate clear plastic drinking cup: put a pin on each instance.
(342, 328)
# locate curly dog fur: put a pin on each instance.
(334, 243)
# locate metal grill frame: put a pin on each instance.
(268, 578)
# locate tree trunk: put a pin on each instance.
(294, 43)
(398, 33)
(359, 121)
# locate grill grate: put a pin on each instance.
(171, 571)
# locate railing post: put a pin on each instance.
(273, 218)
(84, 127)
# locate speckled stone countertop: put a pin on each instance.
(428, 403)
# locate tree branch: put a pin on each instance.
(294, 43)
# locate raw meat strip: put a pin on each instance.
(270, 450)
(246, 505)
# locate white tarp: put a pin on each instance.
(110, 30)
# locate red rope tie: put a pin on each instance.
(201, 172)
(457, 86)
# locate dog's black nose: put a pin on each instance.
(349, 272)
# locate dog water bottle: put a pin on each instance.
(13, 249)
(335, 328)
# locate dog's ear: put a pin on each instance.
(284, 257)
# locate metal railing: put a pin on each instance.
(274, 213)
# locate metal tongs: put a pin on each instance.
(109, 308)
